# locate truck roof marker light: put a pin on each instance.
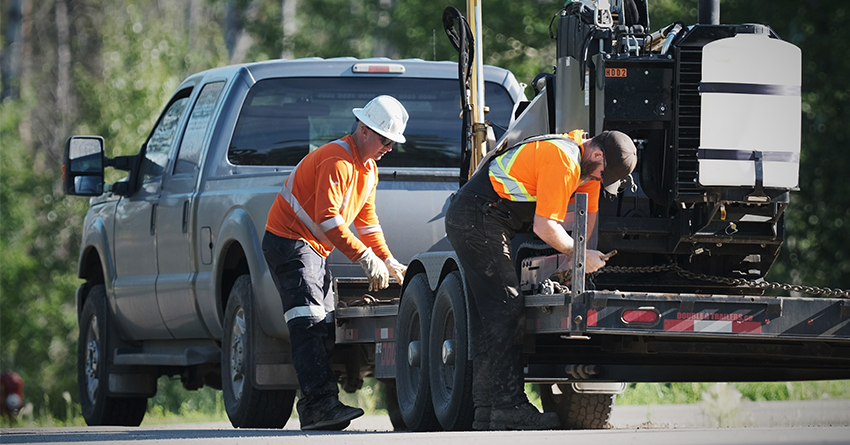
(646, 316)
(372, 68)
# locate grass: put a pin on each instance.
(668, 393)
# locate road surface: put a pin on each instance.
(758, 423)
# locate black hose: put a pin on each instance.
(462, 39)
(584, 48)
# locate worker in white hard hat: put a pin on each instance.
(331, 188)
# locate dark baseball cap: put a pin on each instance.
(620, 158)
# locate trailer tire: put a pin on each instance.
(246, 405)
(450, 369)
(99, 407)
(412, 330)
(578, 411)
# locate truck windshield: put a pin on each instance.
(284, 119)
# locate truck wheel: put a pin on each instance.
(247, 406)
(100, 408)
(578, 411)
(412, 326)
(451, 371)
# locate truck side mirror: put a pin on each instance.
(83, 166)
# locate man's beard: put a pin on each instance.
(588, 166)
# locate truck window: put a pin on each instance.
(189, 154)
(284, 119)
(159, 144)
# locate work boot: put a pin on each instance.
(522, 417)
(329, 414)
(481, 391)
(481, 421)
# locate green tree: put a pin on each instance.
(103, 68)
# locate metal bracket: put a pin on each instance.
(580, 244)
(774, 309)
(758, 194)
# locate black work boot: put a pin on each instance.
(327, 414)
(522, 417)
(481, 388)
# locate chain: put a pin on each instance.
(638, 269)
(755, 284)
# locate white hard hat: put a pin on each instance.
(386, 116)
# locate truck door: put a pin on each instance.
(135, 231)
(177, 256)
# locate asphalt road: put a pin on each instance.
(814, 422)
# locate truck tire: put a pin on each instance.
(412, 328)
(578, 411)
(93, 353)
(450, 369)
(246, 405)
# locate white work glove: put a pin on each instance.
(396, 269)
(376, 270)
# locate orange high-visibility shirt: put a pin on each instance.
(328, 190)
(541, 166)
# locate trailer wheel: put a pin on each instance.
(578, 411)
(93, 353)
(451, 371)
(412, 385)
(247, 406)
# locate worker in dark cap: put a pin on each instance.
(522, 188)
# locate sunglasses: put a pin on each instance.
(386, 142)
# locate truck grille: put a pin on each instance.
(688, 118)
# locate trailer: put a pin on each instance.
(583, 344)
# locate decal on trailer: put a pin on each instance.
(383, 333)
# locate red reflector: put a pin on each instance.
(647, 316)
(387, 68)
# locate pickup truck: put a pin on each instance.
(175, 280)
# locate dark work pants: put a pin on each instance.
(304, 283)
(480, 234)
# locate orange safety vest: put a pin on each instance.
(551, 163)
(330, 189)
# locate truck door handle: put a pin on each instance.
(186, 216)
(153, 219)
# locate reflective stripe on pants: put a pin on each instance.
(304, 283)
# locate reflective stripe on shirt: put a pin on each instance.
(318, 230)
(365, 230)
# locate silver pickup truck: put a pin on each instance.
(175, 281)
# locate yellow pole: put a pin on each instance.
(476, 99)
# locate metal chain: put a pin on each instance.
(755, 284)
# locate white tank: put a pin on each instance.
(750, 97)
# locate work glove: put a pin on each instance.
(376, 270)
(396, 269)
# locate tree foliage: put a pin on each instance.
(108, 66)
